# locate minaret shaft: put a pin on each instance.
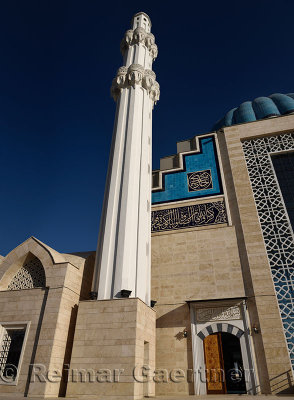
(123, 252)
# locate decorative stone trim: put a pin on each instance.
(132, 76)
(139, 36)
(135, 75)
(276, 229)
(227, 328)
(218, 314)
(149, 79)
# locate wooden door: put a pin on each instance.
(214, 364)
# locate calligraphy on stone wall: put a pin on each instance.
(196, 215)
(218, 314)
(199, 180)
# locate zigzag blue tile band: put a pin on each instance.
(175, 184)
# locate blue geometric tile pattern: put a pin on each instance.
(175, 184)
(275, 224)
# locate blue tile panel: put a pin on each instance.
(189, 216)
(175, 184)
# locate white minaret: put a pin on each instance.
(124, 244)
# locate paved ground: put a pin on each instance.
(227, 397)
(209, 397)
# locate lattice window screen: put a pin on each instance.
(31, 275)
(274, 221)
(6, 342)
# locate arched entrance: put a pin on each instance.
(225, 347)
(223, 364)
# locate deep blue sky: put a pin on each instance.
(57, 61)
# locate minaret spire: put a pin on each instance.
(123, 251)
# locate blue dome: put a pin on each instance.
(263, 107)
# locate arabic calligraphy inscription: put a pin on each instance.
(189, 216)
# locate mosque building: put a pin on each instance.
(201, 303)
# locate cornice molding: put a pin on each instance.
(139, 36)
(132, 76)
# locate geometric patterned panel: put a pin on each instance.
(276, 228)
(10, 352)
(31, 275)
(284, 168)
(5, 347)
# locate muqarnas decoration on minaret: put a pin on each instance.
(123, 262)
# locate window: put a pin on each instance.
(11, 351)
(284, 168)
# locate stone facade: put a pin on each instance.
(217, 261)
(213, 247)
(199, 264)
(270, 346)
(118, 336)
(48, 313)
(210, 273)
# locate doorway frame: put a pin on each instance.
(238, 327)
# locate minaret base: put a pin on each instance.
(114, 343)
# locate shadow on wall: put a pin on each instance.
(84, 295)
(178, 318)
(36, 341)
(68, 351)
(283, 384)
(87, 273)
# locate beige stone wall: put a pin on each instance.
(213, 262)
(145, 328)
(61, 308)
(110, 334)
(270, 346)
(24, 306)
(221, 262)
(56, 337)
(51, 313)
(194, 264)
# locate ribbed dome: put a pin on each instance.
(263, 107)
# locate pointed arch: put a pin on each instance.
(198, 353)
(23, 254)
(220, 327)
